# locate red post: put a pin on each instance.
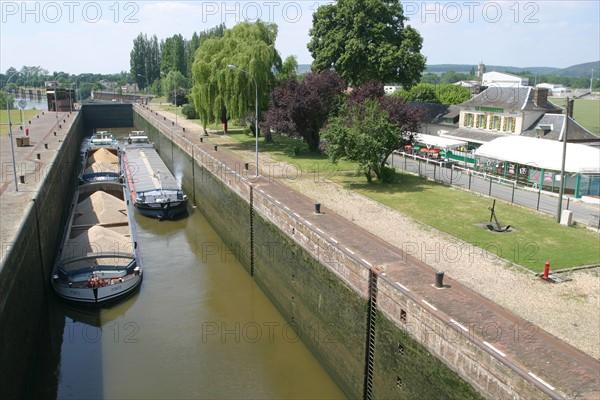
(26, 131)
(546, 270)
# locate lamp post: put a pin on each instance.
(561, 190)
(256, 110)
(10, 136)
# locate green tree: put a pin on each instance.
(173, 81)
(362, 133)
(431, 78)
(364, 40)
(453, 94)
(3, 97)
(144, 60)
(289, 69)
(172, 55)
(197, 38)
(220, 93)
(452, 77)
(423, 93)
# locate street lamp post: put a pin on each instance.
(10, 136)
(256, 111)
(561, 190)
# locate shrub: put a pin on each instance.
(189, 111)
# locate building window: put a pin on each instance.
(496, 123)
(481, 121)
(509, 124)
(469, 120)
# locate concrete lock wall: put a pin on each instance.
(323, 293)
(24, 276)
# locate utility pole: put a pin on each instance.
(564, 156)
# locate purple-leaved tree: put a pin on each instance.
(300, 109)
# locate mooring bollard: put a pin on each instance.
(39, 156)
(439, 279)
(246, 166)
(46, 145)
(216, 147)
(318, 208)
(546, 271)
(54, 133)
(22, 178)
(201, 140)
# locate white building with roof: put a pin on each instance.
(502, 79)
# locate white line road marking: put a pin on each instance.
(349, 251)
(543, 382)
(461, 326)
(402, 286)
(495, 349)
(366, 262)
(429, 304)
(333, 240)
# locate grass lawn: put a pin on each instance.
(294, 152)
(15, 119)
(586, 112)
(537, 239)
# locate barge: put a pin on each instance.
(101, 159)
(152, 188)
(98, 259)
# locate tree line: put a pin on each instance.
(339, 108)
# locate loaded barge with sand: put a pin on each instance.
(153, 190)
(101, 159)
(98, 261)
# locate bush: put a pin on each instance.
(294, 150)
(189, 111)
(388, 175)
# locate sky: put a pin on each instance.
(97, 36)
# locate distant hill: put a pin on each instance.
(574, 71)
(303, 69)
(580, 70)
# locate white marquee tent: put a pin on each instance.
(542, 153)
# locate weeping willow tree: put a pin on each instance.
(219, 92)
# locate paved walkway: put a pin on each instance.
(587, 214)
(31, 163)
(558, 369)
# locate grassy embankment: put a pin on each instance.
(537, 239)
(585, 112)
(15, 119)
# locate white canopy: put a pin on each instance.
(542, 153)
(438, 141)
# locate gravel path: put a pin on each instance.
(569, 310)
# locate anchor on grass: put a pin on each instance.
(497, 227)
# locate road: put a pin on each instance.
(583, 213)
